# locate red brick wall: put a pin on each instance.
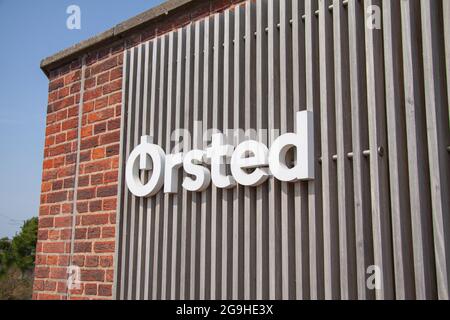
(98, 170)
(97, 183)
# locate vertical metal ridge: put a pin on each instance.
(249, 278)
(364, 251)
(197, 137)
(125, 243)
(146, 203)
(381, 224)
(346, 222)
(327, 118)
(188, 108)
(217, 123)
(205, 241)
(140, 203)
(436, 105)
(168, 198)
(227, 123)
(395, 113)
(261, 104)
(286, 125)
(238, 123)
(314, 187)
(301, 188)
(151, 205)
(121, 180)
(178, 209)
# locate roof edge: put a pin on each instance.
(110, 35)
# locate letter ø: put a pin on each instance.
(132, 171)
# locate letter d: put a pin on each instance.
(303, 141)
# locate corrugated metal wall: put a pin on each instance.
(381, 193)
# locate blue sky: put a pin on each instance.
(30, 31)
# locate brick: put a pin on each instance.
(115, 98)
(97, 179)
(100, 115)
(58, 150)
(109, 204)
(60, 138)
(89, 143)
(70, 124)
(38, 285)
(47, 296)
(78, 260)
(112, 87)
(95, 206)
(82, 247)
(54, 247)
(90, 289)
(116, 73)
(98, 166)
(94, 233)
(106, 261)
(113, 124)
(85, 194)
(53, 129)
(61, 115)
(52, 260)
(85, 156)
(41, 272)
(103, 247)
(57, 185)
(46, 187)
(101, 103)
(64, 103)
(94, 219)
(107, 191)
(63, 92)
(82, 207)
(61, 287)
(69, 183)
(105, 290)
(91, 261)
(108, 232)
(103, 66)
(98, 153)
(100, 128)
(72, 134)
(93, 94)
(75, 88)
(46, 222)
(40, 259)
(63, 222)
(63, 261)
(56, 84)
(111, 176)
(55, 197)
(58, 273)
(42, 235)
(65, 234)
(109, 277)
(92, 275)
(109, 138)
(102, 78)
(53, 234)
(80, 233)
(112, 150)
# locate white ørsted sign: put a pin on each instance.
(251, 162)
